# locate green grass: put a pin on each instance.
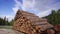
(6, 27)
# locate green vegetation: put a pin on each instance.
(54, 17)
(6, 22)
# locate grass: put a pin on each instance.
(6, 27)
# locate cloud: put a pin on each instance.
(24, 6)
(39, 7)
(56, 6)
(15, 9)
(44, 13)
(43, 7)
(10, 17)
(17, 5)
(28, 3)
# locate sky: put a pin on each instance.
(40, 8)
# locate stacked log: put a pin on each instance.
(57, 28)
(50, 31)
(30, 23)
(22, 24)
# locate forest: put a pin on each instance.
(54, 17)
(4, 22)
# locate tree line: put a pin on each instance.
(54, 17)
(4, 21)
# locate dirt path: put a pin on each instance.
(9, 31)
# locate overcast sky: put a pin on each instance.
(40, 8)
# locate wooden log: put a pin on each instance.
(29, 23)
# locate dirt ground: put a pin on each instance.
(9, 31)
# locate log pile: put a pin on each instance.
(30, 23)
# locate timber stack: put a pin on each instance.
(30, 23)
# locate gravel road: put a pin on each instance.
(9, 31)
